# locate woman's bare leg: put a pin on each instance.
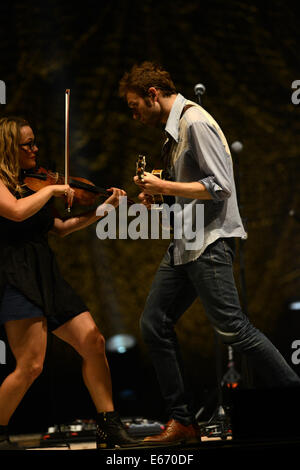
(27, 340)
(82, 333)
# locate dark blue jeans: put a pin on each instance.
(173, 290)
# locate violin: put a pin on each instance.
(86, 192)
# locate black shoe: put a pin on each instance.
(111, 432)
(5, 443)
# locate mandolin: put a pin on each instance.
(163, 174)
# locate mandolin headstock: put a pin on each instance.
(140, 167)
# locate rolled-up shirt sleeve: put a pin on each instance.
(214, 162)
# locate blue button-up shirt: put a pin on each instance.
(199, 152)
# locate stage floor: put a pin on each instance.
(210, 451)
(32, 442)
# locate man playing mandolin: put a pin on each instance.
(197, 156)
(34, 297)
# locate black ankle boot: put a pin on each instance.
(111, 432)
(5, 443)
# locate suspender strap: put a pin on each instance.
(186, 107)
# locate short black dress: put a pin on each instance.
(31, 284)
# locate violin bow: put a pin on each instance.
(67, 136)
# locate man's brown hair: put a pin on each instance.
(142, 77)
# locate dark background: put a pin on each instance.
(247, 56)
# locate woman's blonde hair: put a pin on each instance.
(9, 151)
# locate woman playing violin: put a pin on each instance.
(34, 297)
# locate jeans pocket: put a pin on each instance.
(229, 248)
(220, 253)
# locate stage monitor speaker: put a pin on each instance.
(265, 413)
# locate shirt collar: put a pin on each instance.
(172, 125)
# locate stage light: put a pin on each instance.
(120, 344)
(124, 362)
(294, 306)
